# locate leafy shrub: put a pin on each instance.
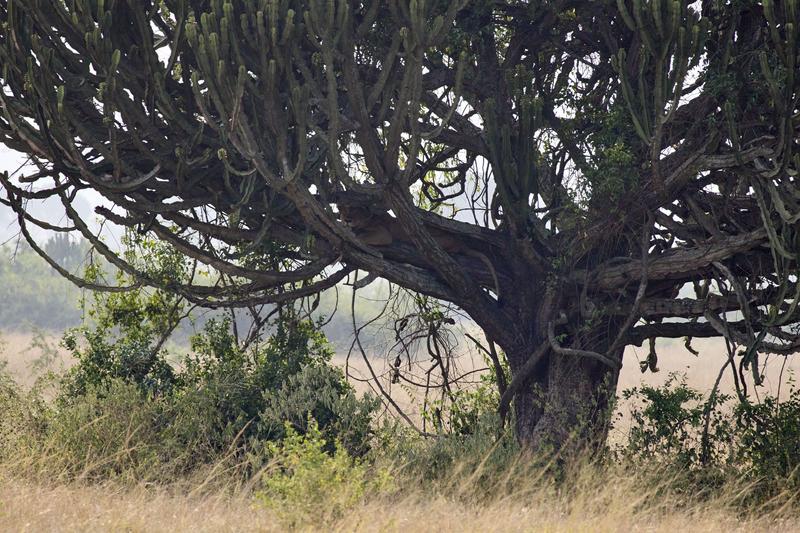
(23, 417)
(224, 388)
(454, 464)
(323, 393)
(123, 338)
(466, 411)
(109, 432)
(769, 439)
(679, 424)
(754, 440)
(305, 484)
(294, 344)
(220, 408)
(226, 399)
(468, 438)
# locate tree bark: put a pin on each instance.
(575, 415)
(565, 408)
(529, 406)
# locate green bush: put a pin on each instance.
(679, 424)
(306, 484)
(23, 416)
(323, 393)
(443, 462)
(293, 344)
(113, 432)
(124, 333)
(226, 402)
(225, 399)
(755, 440)
(770, 439)
(465, 411)
(224, 389)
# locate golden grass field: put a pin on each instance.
(611, 501)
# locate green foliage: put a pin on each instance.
(466, 411)
(445, 460)
(307, 484)
(224, 405)
(294, 344)
(124, 410)
(124, 332)
(669, 421)
(770, 439)
(677, 425)
(233, 396)
(612, 167)
(22, 416)
(226, 400)
(113, 432)
(322, 393)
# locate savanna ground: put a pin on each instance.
(474, 495)
(619, 506)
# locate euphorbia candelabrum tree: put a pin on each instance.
(559, 170)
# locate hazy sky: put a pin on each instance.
(49, 210)
(9, 161)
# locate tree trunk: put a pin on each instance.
(575, 412)
(529, 407)
(566, 406)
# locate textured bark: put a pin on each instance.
(575, 412)
(528, 409)
(564, 405)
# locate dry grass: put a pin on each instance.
(25, 506)
(444, 515)
(611, 502)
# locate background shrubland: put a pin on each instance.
(224, 432)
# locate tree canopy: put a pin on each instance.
(560, 170)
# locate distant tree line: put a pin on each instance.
(34, 295)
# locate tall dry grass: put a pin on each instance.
(473, 495)
(591, 500)
(26, 506)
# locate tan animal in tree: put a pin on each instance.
(380, 229)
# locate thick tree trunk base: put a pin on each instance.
(568, 411)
